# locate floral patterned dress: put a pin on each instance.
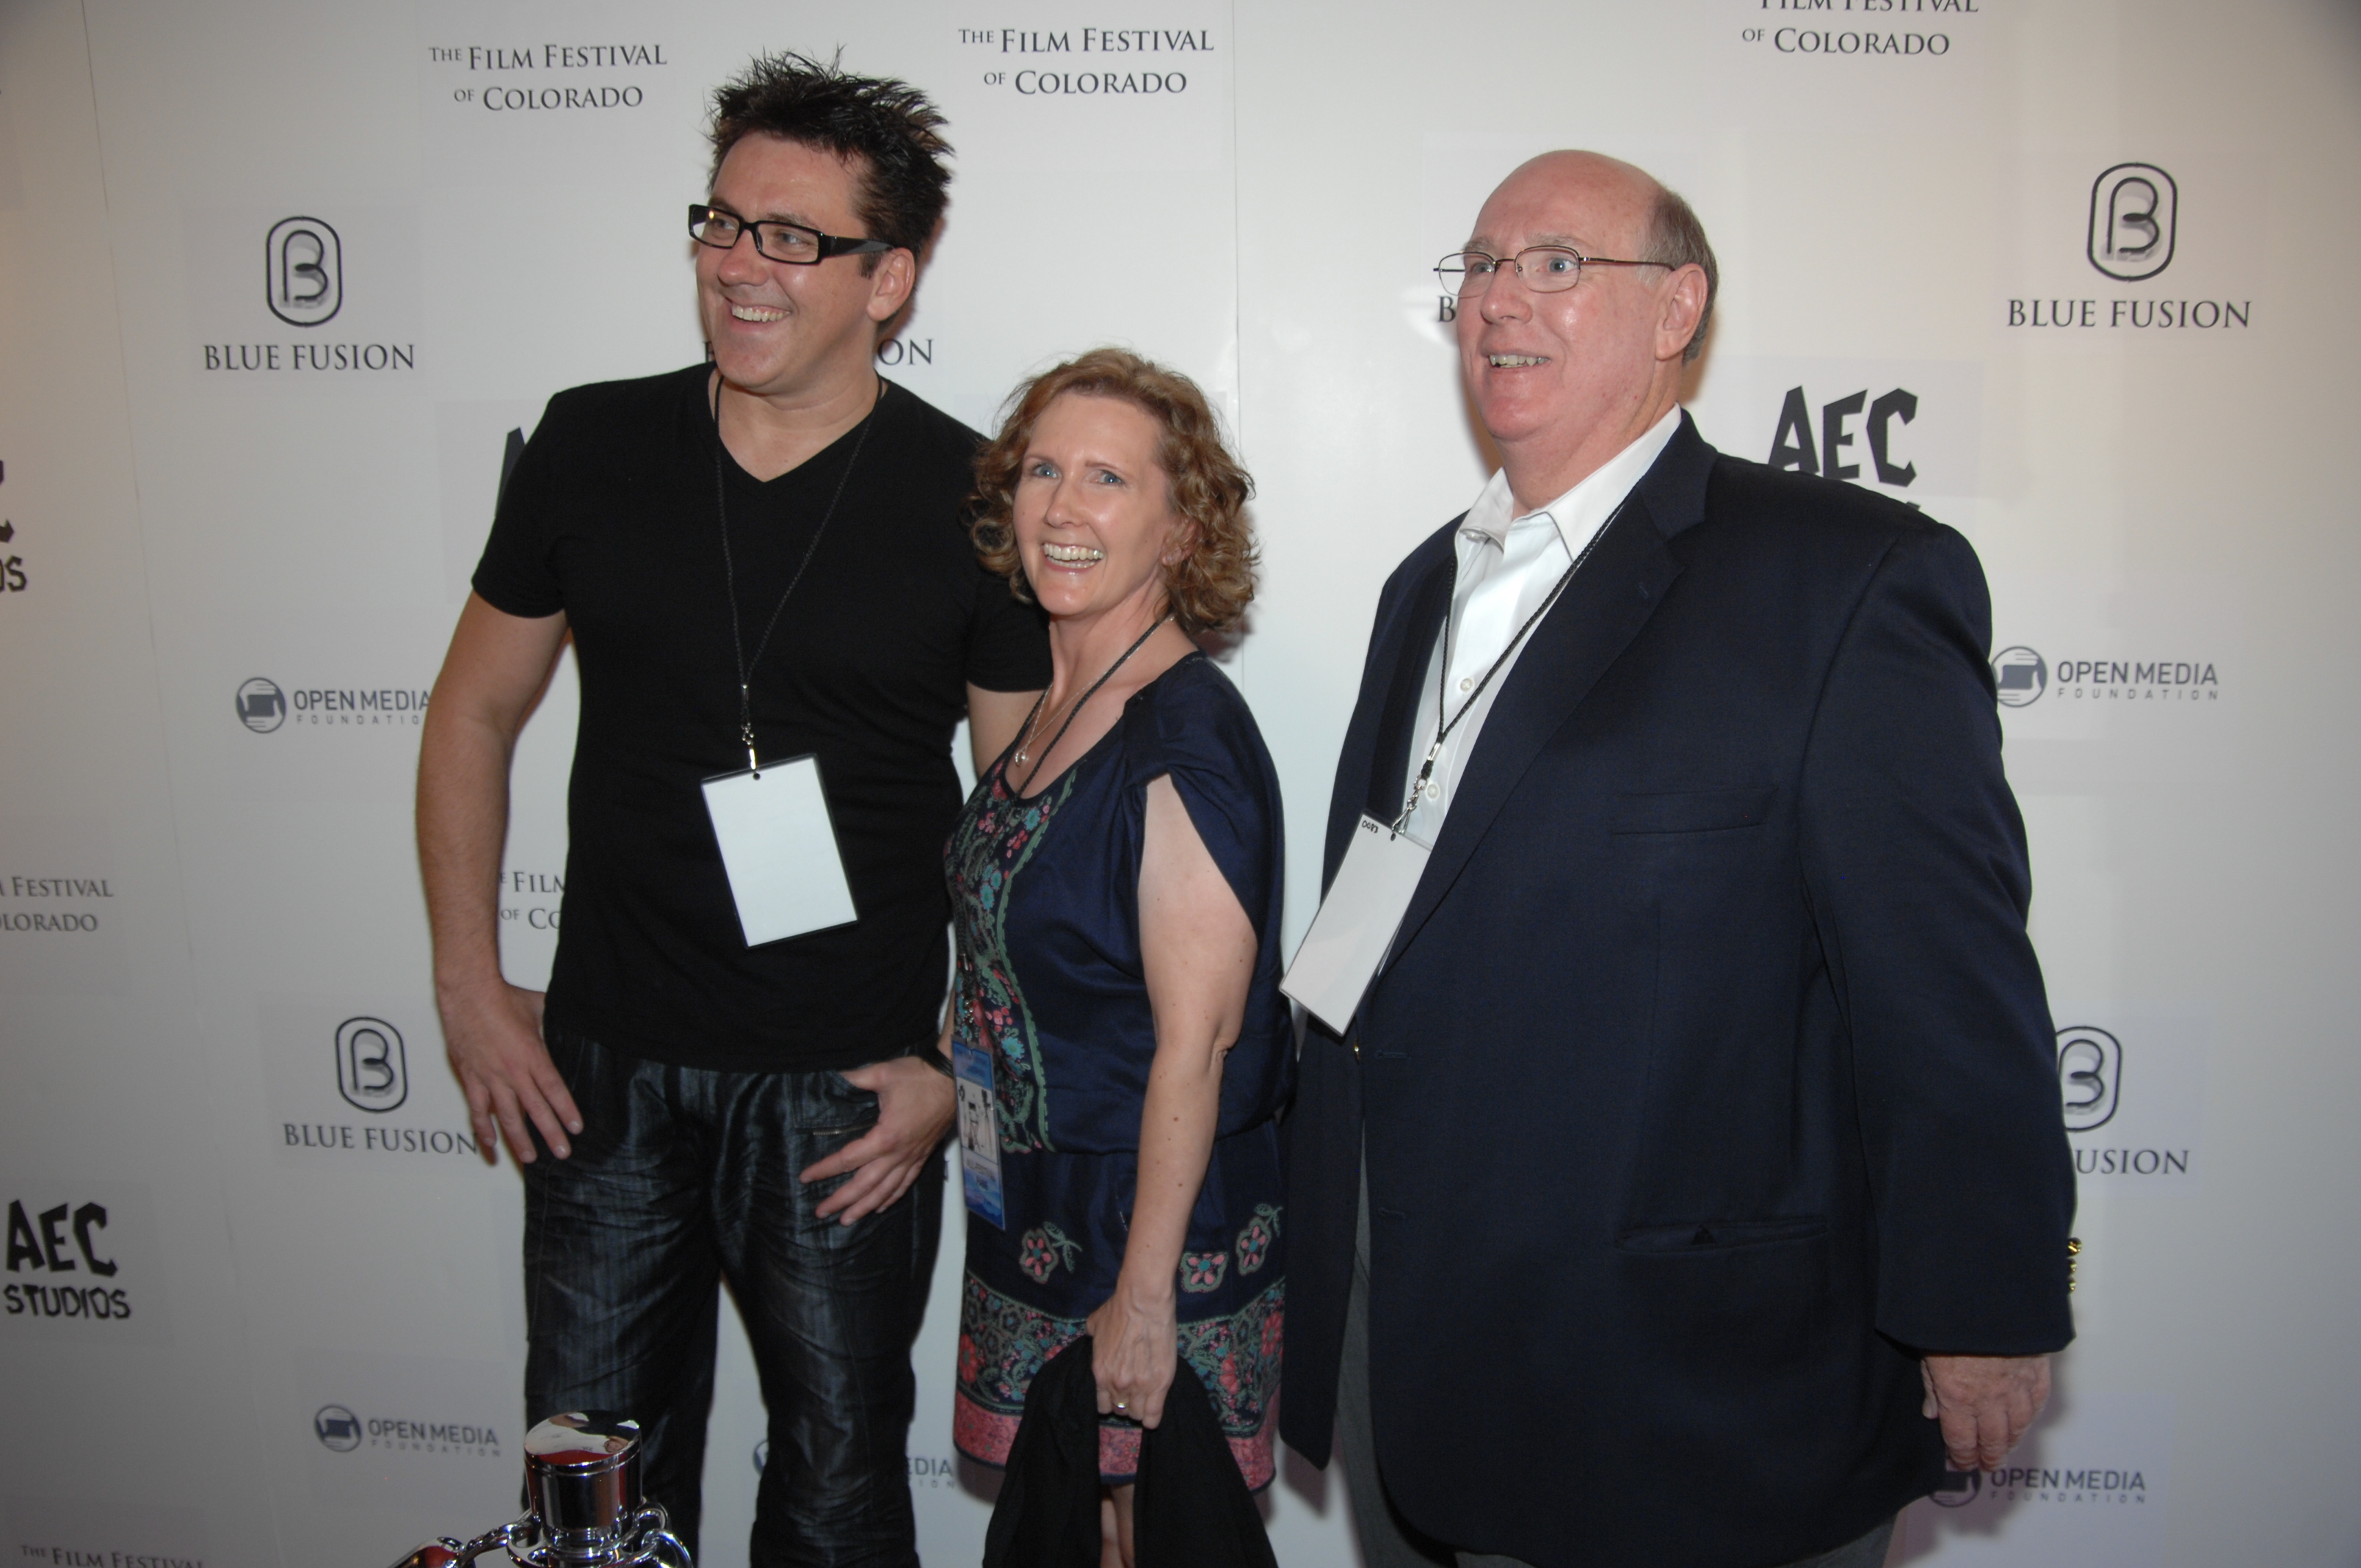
(1045, 910)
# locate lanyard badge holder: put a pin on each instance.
(979, 1131)
(778, 847)
(1353, 930)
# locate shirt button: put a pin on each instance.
(1433, 790)
(1465, 682)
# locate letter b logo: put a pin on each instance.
(2090, 1076)
(2135, 208)
(371, 1071)
(304, 272)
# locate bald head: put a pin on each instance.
(1565, 379)
(1625, 191)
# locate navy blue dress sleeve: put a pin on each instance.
(1195, 728)
(1196, 731)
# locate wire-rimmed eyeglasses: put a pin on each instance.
(791, 242)
(1546, 268)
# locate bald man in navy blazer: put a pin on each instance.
(1691, 1184)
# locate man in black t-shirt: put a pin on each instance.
(763, 553)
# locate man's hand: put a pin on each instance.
(493, 1034)
(913, 1110)
(1986, 1403)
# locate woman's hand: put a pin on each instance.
(1135, 1346)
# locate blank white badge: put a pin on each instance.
(1355, 924)
(779, 850)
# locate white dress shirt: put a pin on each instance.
(1507, 564)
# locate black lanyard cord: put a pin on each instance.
(1076, 712)
(730, 567)
(1443, 726)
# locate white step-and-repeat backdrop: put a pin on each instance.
(2075, 276)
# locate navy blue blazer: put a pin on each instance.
(1711, 1079)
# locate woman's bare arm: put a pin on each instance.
(1198, 948)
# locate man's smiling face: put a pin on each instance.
(1545, 366)
(778, 329)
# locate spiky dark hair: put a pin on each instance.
(888, 124)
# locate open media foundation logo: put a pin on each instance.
(2019, 676)
(264, 705)
(1957, 1488)
(338, 1430)
(261, 705)
(304, 262)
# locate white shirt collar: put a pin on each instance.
(1582, 510)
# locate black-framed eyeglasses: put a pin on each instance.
(791, 242)
(1546, 268)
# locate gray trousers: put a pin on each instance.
(1389, 1541)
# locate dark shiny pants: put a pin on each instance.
(679, 1179)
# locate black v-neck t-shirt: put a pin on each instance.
(610, 516)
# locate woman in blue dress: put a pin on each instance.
(1116, 885)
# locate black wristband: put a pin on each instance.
(934, 1058)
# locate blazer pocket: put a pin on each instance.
(1692, 810)
(1721, 1235)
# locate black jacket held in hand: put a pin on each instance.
(1191, 1508)
(1712, 1077)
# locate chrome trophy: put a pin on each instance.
(584, 1510)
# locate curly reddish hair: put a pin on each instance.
(1210, 587)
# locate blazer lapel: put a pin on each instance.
(1388, 764)
(1602, 611)
(1377, 739)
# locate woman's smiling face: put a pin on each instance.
(1094, 522)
